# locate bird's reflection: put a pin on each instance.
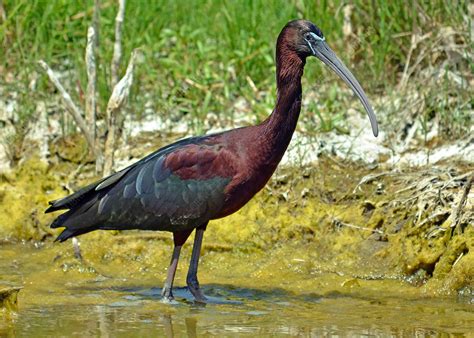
(168, 325)
(190, 324)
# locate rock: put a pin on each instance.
(9, 298)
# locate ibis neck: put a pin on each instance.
(279, 127)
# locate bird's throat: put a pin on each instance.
(279, 127)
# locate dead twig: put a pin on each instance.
(438, 216)
(71, 107)
(430, 196)
(77, 248)
(347, 27)
(416, 39)
(116, 102)
(91, 97)
(96, 22)
(117, 56)
(458, 259)
(461, 205)
(340, 223)
(454, 179)
(117, 98)
(197, 85)
(370, 178)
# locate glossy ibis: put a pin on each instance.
(182, 186)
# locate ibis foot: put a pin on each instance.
(193, 286)
(167, 293)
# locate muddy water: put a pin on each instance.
(61, 296)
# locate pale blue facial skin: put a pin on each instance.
(317, 38)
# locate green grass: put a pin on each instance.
(217, 44)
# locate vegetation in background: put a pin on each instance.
(199, 65)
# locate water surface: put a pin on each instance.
(55, 301)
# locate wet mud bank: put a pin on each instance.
(333, 217)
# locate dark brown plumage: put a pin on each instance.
(181, 187)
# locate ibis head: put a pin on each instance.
(306, 40)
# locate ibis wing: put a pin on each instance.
(173, 189)
(83, 194)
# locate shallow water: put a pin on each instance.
(54, 302)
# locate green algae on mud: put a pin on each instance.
(24, 193)
(320, 215)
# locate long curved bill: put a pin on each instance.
(322, 51)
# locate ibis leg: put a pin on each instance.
(179, 239)
(191, 280)
(167, 292)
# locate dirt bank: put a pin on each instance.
(331, 216)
